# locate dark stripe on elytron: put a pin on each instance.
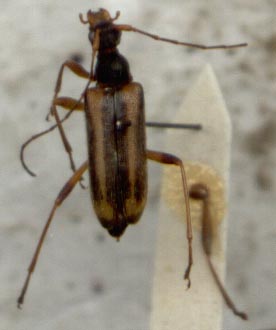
(141, 178)
(122, 177)
(109, 155)
(95, 190)
(113, 183)
(121, 111)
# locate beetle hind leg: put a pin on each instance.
(164, 158)
(63, 194)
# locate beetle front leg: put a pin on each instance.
(77, 69)
(164, 158)
(63, 194)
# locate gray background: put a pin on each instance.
(84, 278)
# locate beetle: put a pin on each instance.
(115, 124)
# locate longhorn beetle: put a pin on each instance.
(117, 154)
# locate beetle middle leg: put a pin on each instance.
(63, 194)
(69, 104)
(164, 158)
(81, 72)
(72, 105)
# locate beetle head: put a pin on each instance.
(98, 18)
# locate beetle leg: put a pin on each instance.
(63, 194)
(81, 72)
(64, 102)
(68, 103)
(169, 159)
(201, 193)
(77, 69)
(65, 141)
(77, 105)
(36, 136)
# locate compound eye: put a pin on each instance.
(91, 36)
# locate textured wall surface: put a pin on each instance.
(85, 279)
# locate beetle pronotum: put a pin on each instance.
(115, 122)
